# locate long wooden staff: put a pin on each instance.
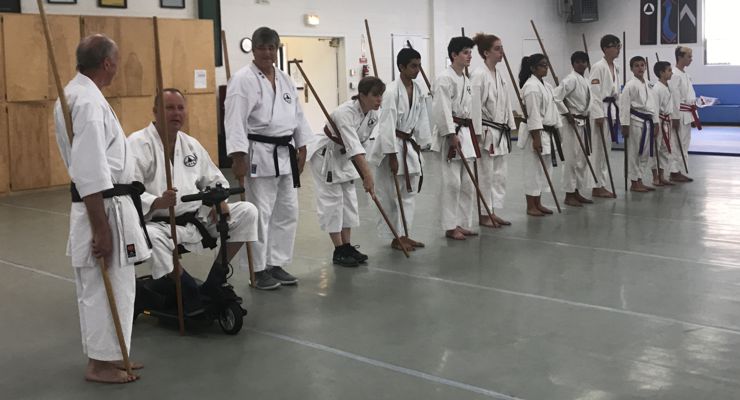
(334, 127)
(161, 124)
(585, 49)
(647, 67)
(565, 101)
(70, 134)
(421, 69)
(393, 176)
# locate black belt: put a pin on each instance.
(613, 120)
(554, 143)
(189, 218)
(505, 131)
(133, 190)
(586, 132)
(407, 137)
(281, 141)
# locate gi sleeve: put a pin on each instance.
(302, 134)
(241, 100)
(442, 107)
(597, 99)
(533, 101)
(625, 103)
(348, 133)
(89, 167)
(144, 165)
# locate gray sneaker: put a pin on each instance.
(265, 281)
(282, 276)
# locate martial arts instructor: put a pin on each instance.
(103, 220)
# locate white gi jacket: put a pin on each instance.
(602, 86)
(192, 171)
(663, 98)
(454, 96)
(540, 102)
(638, 96)
(252, 107)
(355, 128)
(98, 158)
(496, 107)
(574, 88)
(396, 114)
(682, 92)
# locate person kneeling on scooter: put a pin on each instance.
(192, 170)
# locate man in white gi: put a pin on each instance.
(604, 112)
(497, 122)
(104, 222)
(664, 161)
(573, 98)
(266, 135)
(684, 113)
(456, 110)
(403, 123)
(638, 117)
(192, 171)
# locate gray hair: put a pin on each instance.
(265, 36)
(93, 50)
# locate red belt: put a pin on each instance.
(692, 109)
(665, 129)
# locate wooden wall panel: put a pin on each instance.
(135, 39)
(28, 134)
(134, 113)
(58, 174)
(202, 122)
(2, 60)
(27, 71)
(186, 46)
(4, 150)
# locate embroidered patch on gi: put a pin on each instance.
(131, 250)
(287, 98)
(595, 81)
(468, 89)
(190, 160)
(371, 121)
(651, 85)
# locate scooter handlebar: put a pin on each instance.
(212, 194)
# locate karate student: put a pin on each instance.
(103, 222)
(575, 91)
(266, 135)
(540, 133)
(638, 117)
(456, 110)
(665, 104)
(333, 156)
(396, 151)
(192, 171)
(497, 122)
(604, 111)
(684, 113)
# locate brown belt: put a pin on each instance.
(467, 123)
(409, 139)
(336, 139)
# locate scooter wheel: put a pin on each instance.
(231, 318)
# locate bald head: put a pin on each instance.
(93, 51)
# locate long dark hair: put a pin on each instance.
(527, 64)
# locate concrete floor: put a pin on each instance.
(634, 298)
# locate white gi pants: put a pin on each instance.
(598, 157)
(685, 133)
(665, 157)
(336, 203)
(385, 191)
(242, 228)
(535, 182)
(277, 203)
(576, 175)
(492, 171)
(99, 340)
(458, 194)
(637, 164)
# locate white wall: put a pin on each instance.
(624, 15)
(136, 8)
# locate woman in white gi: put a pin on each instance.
(639, 117)
(333, 157)
(103, 222)
(539, 133)
(573, 98)
(396, 150)
(192, 171)
(497, 122)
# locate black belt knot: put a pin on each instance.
(285, 141)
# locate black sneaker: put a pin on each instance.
(343, 257)
(220, 294)
(265, 281)
(352, 250)
(282, 276)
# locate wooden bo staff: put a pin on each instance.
(161, 125)
(585, 49)
(647, 67)
(395, 181)
(334, 127)
(70, 135)
(567, 105)
(421, 69)
(624, 58)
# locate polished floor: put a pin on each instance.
(634, 298)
